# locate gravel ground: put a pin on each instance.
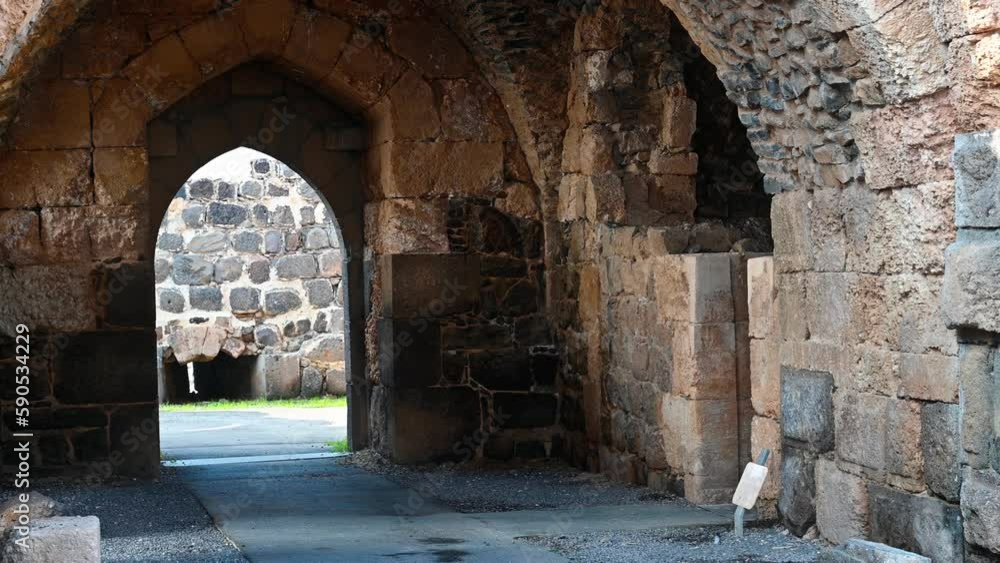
(147, 522)
(502, 488)
(683, 545)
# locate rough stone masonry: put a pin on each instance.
(249, 266)
(672, 232)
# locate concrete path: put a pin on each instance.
(327, 510)
(264, 431)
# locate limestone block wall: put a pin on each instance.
(255, 256)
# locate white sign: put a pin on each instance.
(750, 485)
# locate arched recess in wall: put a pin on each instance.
(249, 286)
(663, 202)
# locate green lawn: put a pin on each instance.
(339, 446)
(314, 403)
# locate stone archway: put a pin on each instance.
(443, 196)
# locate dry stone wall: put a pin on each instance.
(255, 256)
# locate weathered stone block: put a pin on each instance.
(807, 414)
(797, 502)
(976, 365)
(981, 509)
(841, 503)
(861, 428)
(970, 296)
(192, 270)
(244, 299)
(766, 433)
(694, 288)
(171, 301)
(277, 377)
(135, 429)
(66, 180)
(762, 296)
(424, 169)
(921, 524)
(432, 424)
(704, 361)
(208, 243)
(977, 183)
(20, 242)
(36, 127)
(765, 377)
(903, 452)
(247, 242)
(679, 115)
(194, 216)
(409, 352)
(408, 225)
(120, 176)
(60, 538)
(296, 267)
(319, 292)
(929, 377)
(226, 214)
(169, 61)
(940, 434)
(281, 301)
(429, 284)
(259, 271)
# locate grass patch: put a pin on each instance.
(339, 446)
(313, 403)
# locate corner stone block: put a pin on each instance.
(981, 509)
(429, 285)
(704, 361)
(921, 524)
(970, 295)
(762, 296)
(841, 503)
(433, 424)
(409, 352)
(766, 433)
(695, 288)
(977, 179)
(712, 452)
(765, 377)
(807, 408)
(940, 432)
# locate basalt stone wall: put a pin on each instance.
(256, 256)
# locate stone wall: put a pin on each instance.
(256, 257)
(851, 108)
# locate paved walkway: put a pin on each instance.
(264, 431)
(330, 511)
(327, 510)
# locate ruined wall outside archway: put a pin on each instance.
(248, 266)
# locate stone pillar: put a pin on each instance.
(765, 375)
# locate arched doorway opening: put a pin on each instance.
(250, 313)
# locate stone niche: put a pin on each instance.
(971, 304)
(248, 288)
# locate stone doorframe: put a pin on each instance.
(281, 119)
